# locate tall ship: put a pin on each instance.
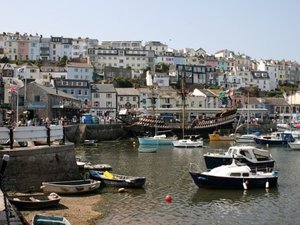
(151, 125)
(201, 127)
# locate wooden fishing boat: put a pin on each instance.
(71, 187)
(112, 179)
(40, 219)
(34, 201)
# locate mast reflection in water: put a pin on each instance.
(167, 174)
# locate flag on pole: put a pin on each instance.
(12, 90)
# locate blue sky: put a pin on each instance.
(262, 29)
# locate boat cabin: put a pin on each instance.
(231, 171)
(249, 152)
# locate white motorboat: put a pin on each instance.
(294, 145)
(257, 159)
(246, 138)
(191, 142)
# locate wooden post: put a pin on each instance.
(11, 138)
(48, 135)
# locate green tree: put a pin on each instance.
(4, 60)
(63, 61)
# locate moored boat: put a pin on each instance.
(294, 145)
(190, 142)
(218, 137)
(203, 127)
(275, 138)
(233, 176)
(40, 219)
(246, 138)
(255, 158)
(158, 139)
(117, 180)
(71, 187)
(34, 201)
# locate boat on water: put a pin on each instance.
(40, 219)
(158, 139)
(71, 187)
(86, 165)
(117, 180)
(233, 176)
(294, 145)
(189, 142)
(219, 137)
(275, 138)
(246, 138)
(222, 120)
(34, 201)
(257, 159)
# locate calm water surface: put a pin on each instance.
(167, 173)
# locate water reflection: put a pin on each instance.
(232, 196)
(147, 148)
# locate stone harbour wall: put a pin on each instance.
(99, 132)
(28, 167)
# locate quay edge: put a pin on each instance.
(28, 167)
(100, 132)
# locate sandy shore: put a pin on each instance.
(78, 210)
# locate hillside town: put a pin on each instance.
(58, 78)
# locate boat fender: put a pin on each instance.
(53, 195)
(121, 190)
(128, 181)
(245, 185)
(42, 187)
(267, 184)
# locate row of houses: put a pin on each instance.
(42, 101)
(110, 59)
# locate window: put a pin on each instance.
(235, 174)
(96, 104)
(108, 95)
(79, 92)
(108, 104)
(121, 98)
(96, 95)
(37, 98)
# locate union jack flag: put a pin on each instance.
(12, 90)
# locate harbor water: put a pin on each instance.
(167, 173)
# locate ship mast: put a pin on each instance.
(183, 99)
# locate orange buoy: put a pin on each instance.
(168, 198)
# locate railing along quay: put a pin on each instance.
(23, 134)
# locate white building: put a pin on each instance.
(34, 47)
(156, 46)
(104, 100)
(80, 46)
(120, 58)
(81, 71)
